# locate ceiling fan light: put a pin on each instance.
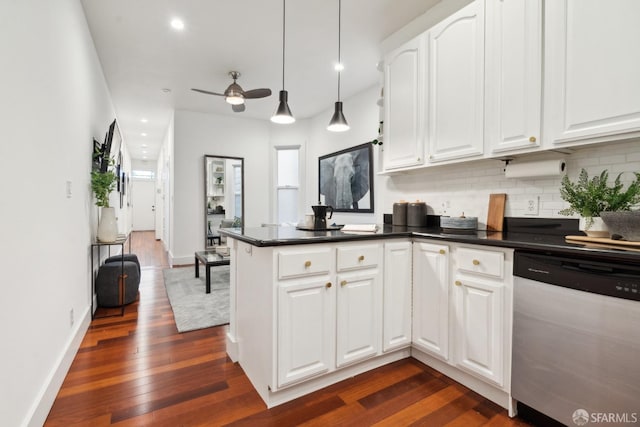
(283, 114)
(338, 123)
(235, 99)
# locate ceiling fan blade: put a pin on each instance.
(208, 92)
(257, 93)
(238, 108)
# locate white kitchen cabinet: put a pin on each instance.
(592, 89)
(403, 141)
(306, 321)
(431, 298)
(396, 313)
(455, 90)
(513, 75)
(479, 331)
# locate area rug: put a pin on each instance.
(192, 307)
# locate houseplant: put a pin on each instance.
(102, 184)
(588, 197)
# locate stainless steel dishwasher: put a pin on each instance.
(576, 338)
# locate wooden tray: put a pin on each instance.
(603, 241)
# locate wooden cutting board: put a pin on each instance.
(603, 241)
(495, 214)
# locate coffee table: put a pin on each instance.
(209, 259)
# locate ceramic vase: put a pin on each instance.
(108, 225)
(596, 229)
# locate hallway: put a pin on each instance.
(137, 370)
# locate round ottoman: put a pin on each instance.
(127, 257)
(107, 288)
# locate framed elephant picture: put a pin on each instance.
(345, 179)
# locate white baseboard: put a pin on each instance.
(44, 401)
(183, 260)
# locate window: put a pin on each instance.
(146, 175)
(287, 185)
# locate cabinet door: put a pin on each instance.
(396, 314)
(306, 324)
(358, 317)
(513, 93)
(592, 68)
(479, 308)
(456, 85)
(403, 145)
(431, 298)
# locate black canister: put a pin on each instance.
(417, 214)
(399, 213)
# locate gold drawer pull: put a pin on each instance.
(532, 139)
(458, 283)
(476, 262)
(328, 285)
(343, 283)
(361, 258)
(442, 252)
(307, 264)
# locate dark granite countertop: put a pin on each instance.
(538, 241)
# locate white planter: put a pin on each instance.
(108, 225)
(597, 229)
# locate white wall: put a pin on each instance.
(197, 134)
(54, 101)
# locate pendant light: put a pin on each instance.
(283, 114)
(338, 123)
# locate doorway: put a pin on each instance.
(143, 200)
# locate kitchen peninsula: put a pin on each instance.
(309, 309)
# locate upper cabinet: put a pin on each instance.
(592, 90)
(403, 87)
(455, 73)
(513, 80)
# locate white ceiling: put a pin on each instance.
(141, 55)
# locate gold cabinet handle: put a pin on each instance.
(361, 258)
(442, 252)
(328, 285)
(458, 283)
(307, 264)
(343, 283)
(532, 139)
(476, 262)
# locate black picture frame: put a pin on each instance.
(345, 179)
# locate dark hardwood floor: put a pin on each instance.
(137, 370)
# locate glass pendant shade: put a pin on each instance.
(234, 100)
(338, 123)
(283, 114)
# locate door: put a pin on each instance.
(479, 328)
(513, 74)
(431, 298)
(358, 327)
(143, 199)
(456, 85)
(591, 69)
(403, 145)
(396, 315)
(306, 329)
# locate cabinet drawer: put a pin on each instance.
(481, 262)
(308, 263)
(357, 257)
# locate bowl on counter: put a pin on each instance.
(623, 223)
(458, 223)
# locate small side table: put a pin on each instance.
(120, 241)
(209, 259)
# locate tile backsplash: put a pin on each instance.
(465, 187)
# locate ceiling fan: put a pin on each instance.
(235, 95)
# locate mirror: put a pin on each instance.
(224, 196)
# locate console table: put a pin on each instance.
(209, 259)
(120, 241)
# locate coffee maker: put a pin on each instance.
(320, 216)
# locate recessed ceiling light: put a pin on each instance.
(144, 145)
(177, 24)
(143, 120)
(143, 134)
(166, 90)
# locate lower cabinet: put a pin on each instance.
(462, 308)
(396, 301)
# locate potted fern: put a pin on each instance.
(589, 197)
(102, 184)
